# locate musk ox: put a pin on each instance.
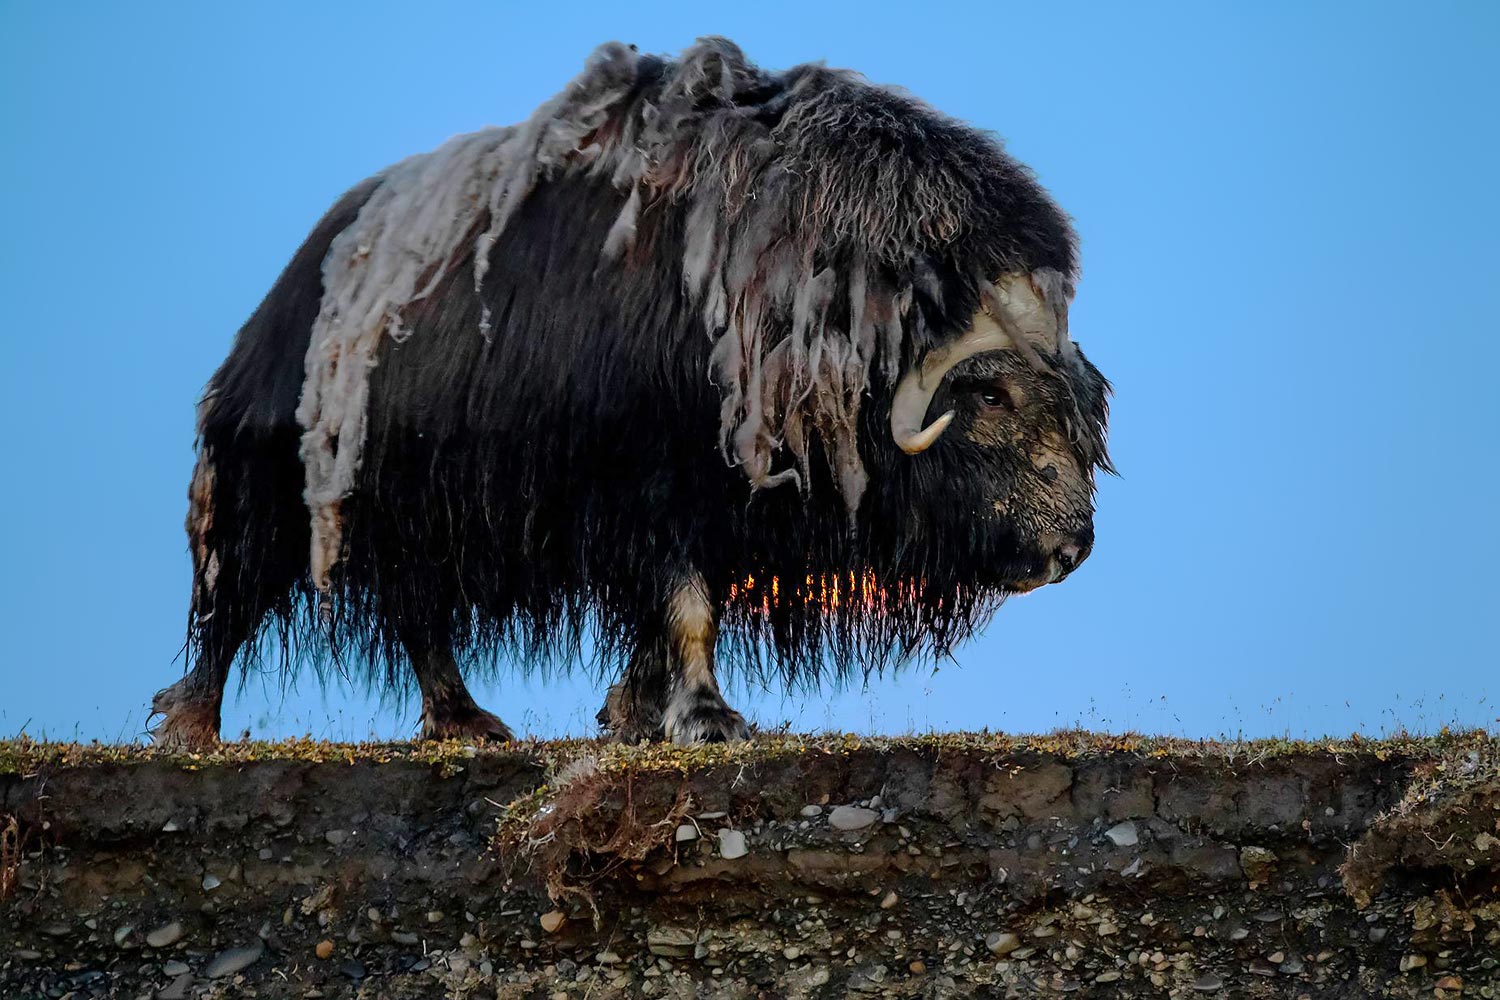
(700, 362)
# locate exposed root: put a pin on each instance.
(10, 857)
(1449, 818)
(588, 825)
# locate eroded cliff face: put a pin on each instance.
(939, 866)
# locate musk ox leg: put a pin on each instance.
(635, 706)
(696, 711)
(449, 712)
(190, 709)
(669, 688)
(247, 536)
(226, 611)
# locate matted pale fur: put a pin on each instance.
(400, 247)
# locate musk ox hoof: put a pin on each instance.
(188, 722)
(703, 717)
(624, 719)
(471, 724)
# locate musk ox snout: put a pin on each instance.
(1057, 556)
(1069, 555)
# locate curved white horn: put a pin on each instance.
(1017, 315)
(915, 390)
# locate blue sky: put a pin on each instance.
(1289, 216)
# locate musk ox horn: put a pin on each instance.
(1026, 313)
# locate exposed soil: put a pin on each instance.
(963, 866)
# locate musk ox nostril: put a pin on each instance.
(1070, 555)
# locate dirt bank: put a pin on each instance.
(941, 866)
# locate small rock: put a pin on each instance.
(336, 837)
(712, 815)
(889, 901)
(1208, 983)
(177, 988)
(227, 963)
(324, 950)
(265, 854)
(26, 954)
(434, 916)
(354, 969)
(1239, 933)
(1377, 934)
(607, 958)
(1107, 977)
(1001, 943)
(122, 934)
(812, 810)
(852, 818)
(918, 967)
(405, 938)
(732, 844)
(687, 832)
(791, 953)
(165, 936)
(211, 882)
(1257, 863)
(174, 968)
(552, 920)
(1449, 983)
(1123, 834)
(1412, 961)
(1107, 928)
(671, 942)
(1276, 957)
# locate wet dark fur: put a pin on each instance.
(566, 472)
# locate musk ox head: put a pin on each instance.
(1013, 417)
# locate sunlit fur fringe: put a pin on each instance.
(525, 383)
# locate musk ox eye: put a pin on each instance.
(996, 396)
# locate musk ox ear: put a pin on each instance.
(1026, 313)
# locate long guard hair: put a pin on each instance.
(515, 388)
